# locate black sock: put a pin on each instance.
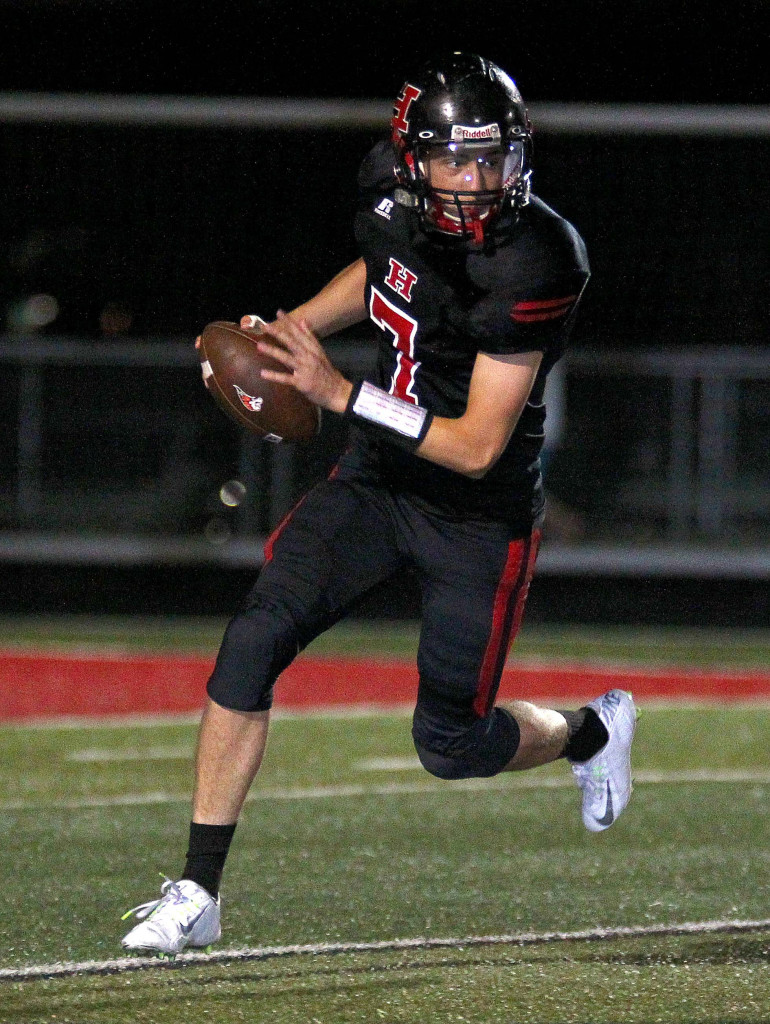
(586, 734)
(207, 853)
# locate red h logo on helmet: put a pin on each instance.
(401, 108)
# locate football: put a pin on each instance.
(231, 364)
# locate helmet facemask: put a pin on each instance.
(466, 185)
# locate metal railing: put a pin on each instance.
(115, 455)
(699, 119)
(705, 485)
(676, 511)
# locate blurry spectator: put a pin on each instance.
(115, 318)
(32, 313)
(52, 282)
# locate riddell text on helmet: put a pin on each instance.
(463, 133)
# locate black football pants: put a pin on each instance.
(345, 537)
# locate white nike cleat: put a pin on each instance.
(185, 915)
(605, 778)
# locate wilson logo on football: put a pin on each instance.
(252, 404)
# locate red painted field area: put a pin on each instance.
(48, 686)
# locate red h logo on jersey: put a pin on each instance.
(401, 108)
(400, 279)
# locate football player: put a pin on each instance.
(474, 283)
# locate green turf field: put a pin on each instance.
(674, 646)
(346, 840)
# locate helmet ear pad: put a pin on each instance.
(405, 168)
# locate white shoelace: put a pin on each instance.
(594, 778)
(170, 891)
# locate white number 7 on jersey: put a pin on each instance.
(404, 329)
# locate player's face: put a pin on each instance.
(465, 168)
(467, 182)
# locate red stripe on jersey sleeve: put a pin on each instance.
(544, 303)
(528, 318)
(541, 309)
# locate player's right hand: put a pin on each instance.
(306, 365)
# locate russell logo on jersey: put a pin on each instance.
(384, 208)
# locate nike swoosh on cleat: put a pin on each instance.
(609, 816)
(185, 929)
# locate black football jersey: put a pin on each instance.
(438, 306)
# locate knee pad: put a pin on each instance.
(259, 643)
(478, 750)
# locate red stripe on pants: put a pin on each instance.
(270, 542)
(507, 613)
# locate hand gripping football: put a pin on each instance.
(230, 363)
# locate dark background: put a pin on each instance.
(579, 50)
(180, 226)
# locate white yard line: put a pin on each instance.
(63, 970)
(111, 755)
(505, 782)
(389, 764)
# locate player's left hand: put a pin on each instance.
(307, 366)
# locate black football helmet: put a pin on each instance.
(466, 109)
